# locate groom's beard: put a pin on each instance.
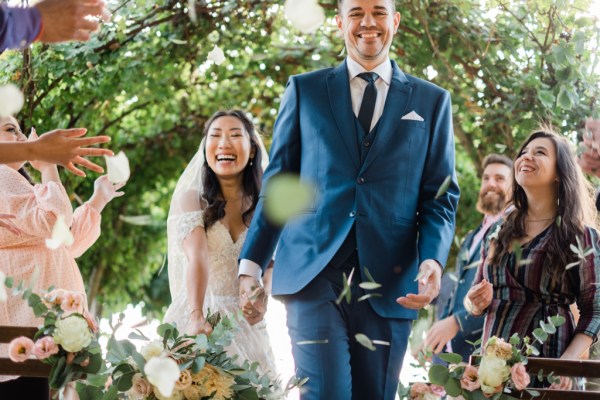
(491, 202)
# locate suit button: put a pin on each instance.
(461, 281)
(366, 143)
(352, 214)
(360, 180)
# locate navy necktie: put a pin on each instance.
(367, 107)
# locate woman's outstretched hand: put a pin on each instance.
(480, 297)
(104, 191)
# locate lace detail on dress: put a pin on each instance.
(251, 342)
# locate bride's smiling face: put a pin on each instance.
(228, 147)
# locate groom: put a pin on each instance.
(377, 144)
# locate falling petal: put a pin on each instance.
(305, 15)
(162, 372)
(192, 10)
(381, 342)
(61, 234)
(286, 197)
(305, 342)
(367, 296)
(216, 55)
(117, 168)
(11, 100)
(364, 341)
(443, 187)
(369, 285)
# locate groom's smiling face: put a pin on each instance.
(368, 27)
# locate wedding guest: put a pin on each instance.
(456, 326)
(37, 208)
(553, 206)
(211, 209)
(49, 21)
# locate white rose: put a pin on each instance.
(493, 372)
(72, 333)
(163, 372)
(152, 349)
(430, 396)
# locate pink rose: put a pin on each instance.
(56, 296)
(91, 321)
(20, 349)
(418, 389)
(44, 348)
(519, 376)
(470, 380)
(141, 387)
(72, 302)
(437, 390)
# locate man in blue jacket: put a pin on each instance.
(378, 145)
(456, 326)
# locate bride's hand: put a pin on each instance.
(198, 324)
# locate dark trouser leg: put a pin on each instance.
(342, 368)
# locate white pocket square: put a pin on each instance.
(413, 116)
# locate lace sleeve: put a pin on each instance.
(188, 222)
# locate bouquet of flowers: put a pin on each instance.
(502, 368)
(179, 366)
(67, 340)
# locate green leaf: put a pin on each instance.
(564, 100)
(557, 320)
(364, 341)
(368, 275)
(548, 328)
(438, 375)
(451, 358)
(198, 364)
(515, 339)
(453, 387)
(9, 281)
(443, 187)
(540, 335)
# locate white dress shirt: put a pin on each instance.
(357, 89)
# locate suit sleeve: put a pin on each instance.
(437, 216)
(262, 236)
(18, 26)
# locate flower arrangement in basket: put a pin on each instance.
(67, 340)
(502, 369)
(179, 366)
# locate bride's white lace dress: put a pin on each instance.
(251, 342)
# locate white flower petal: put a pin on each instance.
(11, 100)
(162, 372)
(118, 168)
(61, 234)
(305, 15)
(3, 294)
(216, 55)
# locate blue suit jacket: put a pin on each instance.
(390, 196)
(471, 327)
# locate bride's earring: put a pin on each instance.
(251, 161)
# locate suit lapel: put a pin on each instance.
(395, 107)
(338, 88)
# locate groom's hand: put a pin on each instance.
(253, 299)
(430, 279)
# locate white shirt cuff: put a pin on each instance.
(250, 268)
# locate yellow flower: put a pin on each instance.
(213, 380)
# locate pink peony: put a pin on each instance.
(418, 389)
(437, 390)
(520, 377)
(20, 349)
(72, 302)
(44, 348)
(470, 380)
(55, 297)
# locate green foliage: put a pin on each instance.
(145, 81)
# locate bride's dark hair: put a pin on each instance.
(251, 180)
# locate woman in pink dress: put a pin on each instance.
(24, 253)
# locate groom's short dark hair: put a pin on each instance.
(392, 2)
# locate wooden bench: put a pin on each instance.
(572, 368)
(30, 368)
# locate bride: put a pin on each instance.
(209, 216)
